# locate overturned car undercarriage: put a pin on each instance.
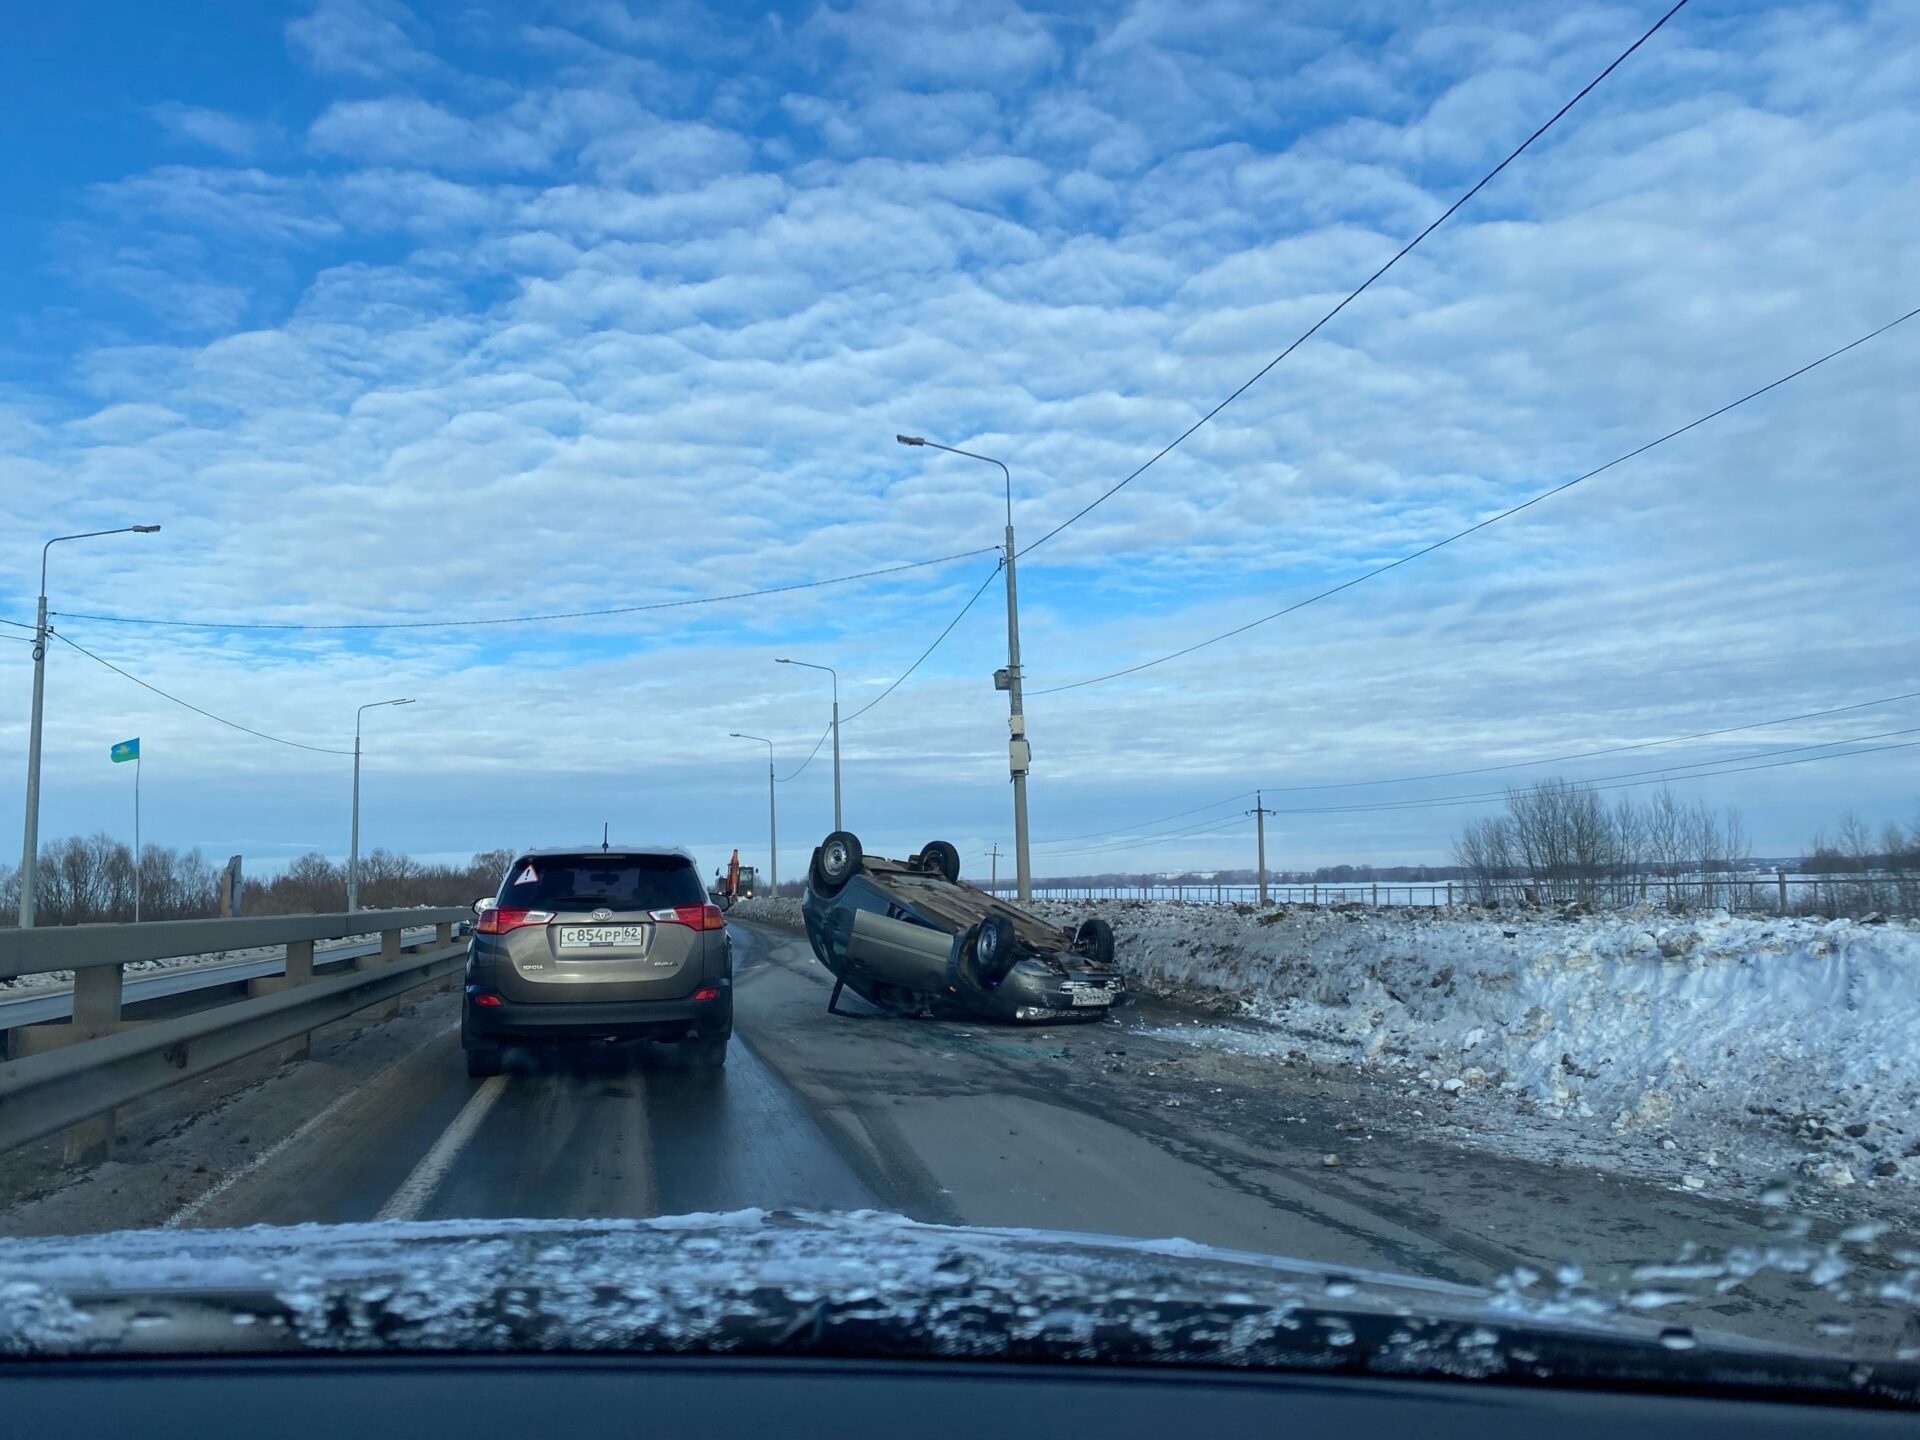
(911, 939)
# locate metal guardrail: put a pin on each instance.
(73, 1074)
(81, 947)
(55, 1002)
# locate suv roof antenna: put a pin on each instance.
(605, 826)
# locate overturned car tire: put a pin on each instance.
(1094, 939)
(942, 859)
(993, 947)
(836, 861)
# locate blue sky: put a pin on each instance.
(397, 313)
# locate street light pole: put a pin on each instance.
(1019, 752)
(809, 665)
(773, 826)
(353, 855)
(30, 845)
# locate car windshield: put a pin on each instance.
(619, 882)
(1259, 649)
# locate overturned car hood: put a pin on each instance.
(866, 1285)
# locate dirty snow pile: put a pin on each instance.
(768, 910)
(1804, 1028)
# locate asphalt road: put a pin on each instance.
(1099, 1128)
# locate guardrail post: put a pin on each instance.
(389, 955)
(443, 933)
(96, 1012)
(1781, 876)
(299, 971)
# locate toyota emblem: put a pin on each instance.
(603, 914)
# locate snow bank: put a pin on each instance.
(767, 910)
(1643, 1019)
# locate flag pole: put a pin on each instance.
(136, 839)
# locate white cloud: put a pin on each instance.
(359, 39)
(233, 135)
(603, 342)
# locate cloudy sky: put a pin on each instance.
(463, 312)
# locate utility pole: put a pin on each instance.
(809, 665)
(30, 843)
(1260, 813)
(994, 883)
(1019, 752)
(353, 852)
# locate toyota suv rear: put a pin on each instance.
(598, 945)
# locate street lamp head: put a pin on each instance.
(910, 439)
(146, 529)
(407, 701)
(783, 661)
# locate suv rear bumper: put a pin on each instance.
(512, 1020)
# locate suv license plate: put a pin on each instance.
(595, 937)
(1091, 997)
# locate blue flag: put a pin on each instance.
(126, 750)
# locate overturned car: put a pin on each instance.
(909, 937)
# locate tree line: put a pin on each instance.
(1560, 841)
(88, 880)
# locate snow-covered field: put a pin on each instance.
(1716, 1052)
(1735, 1045)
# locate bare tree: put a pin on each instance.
(1484, 852)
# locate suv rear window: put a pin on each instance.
(594, 881)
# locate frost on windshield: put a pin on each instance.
(870, 1285)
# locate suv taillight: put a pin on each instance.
(698, 917)
(498, 922)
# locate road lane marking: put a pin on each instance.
(267, 1156)
(414, 1192)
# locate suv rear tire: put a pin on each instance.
(484, 1061)
(706, 1054)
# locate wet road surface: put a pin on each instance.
(1100, 1128)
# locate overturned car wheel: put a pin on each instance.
(1094, 939)
(836, 861)
(942, 859)
(993, 946)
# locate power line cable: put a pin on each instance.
(1668, 771)
(532, 619)
(1158, 820)
(810, 754)
(903, 678)
(1361, 289)
(1604, 781)
(1483, 524)
(1489, 769)
(231, 724)
(1615, 783)
(1592, 754)
(930, 649)
(1606, 785)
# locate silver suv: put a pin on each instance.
(598, 944)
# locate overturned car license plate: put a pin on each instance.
(594, 937)
(1084, 994)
